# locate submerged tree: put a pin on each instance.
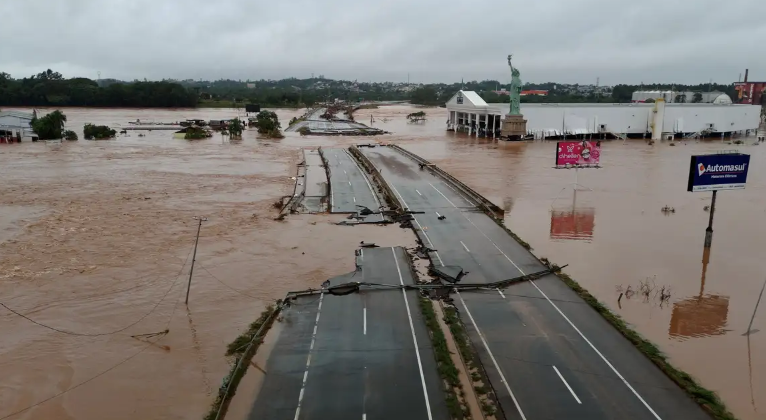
(236, 128)
(70, 135)
(196, 133)
(697, 98)
(49, 127)
(98, 132)
(267, 123)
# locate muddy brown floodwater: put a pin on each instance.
(95, 239)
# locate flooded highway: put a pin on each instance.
(96, 235)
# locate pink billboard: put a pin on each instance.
(578, 153)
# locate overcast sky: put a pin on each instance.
(569, 41)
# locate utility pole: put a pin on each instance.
(194, 258)
(709, 230)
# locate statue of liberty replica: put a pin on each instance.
(514, 124)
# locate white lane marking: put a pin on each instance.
(414, 338)
(418, 192)
(466, 248)
(418, 223)
(374, 196)
(308, 360)
(598, 352)
(349, 182)
(365, 320)
(354, 199)
(491, 356)
(460, 194)
(445, 197)
(567, 385)
(501, 293)
(437, 214)
(344, 171)
(648, 407)
(364, 416)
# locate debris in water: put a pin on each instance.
(667, 209)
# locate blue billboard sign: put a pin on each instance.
(718, 172)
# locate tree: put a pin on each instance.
(267, 123)
(681, 98)
(650, 101)
(70, 135)
(425, 95)
(235, 128)
(697, 98)
(98, 132)
(49, 127)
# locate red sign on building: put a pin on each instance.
(750, 93)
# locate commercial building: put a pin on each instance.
(671, 96)
(468, 112)
(16, 124)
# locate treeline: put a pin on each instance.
(291, 92)
(51, 89)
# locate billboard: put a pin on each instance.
(578, 153)
(252, 108)
(718, 172)
(750, 93)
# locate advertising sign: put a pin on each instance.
(750, 93)
(578, 153)
(718, 172)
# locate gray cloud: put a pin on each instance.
(683, 41)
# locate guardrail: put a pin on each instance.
(488, 206)
(388, 194)
(238, 370)
(328, 174)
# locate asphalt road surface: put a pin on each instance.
(547, 353)
(349, 187)
(315, 183)
(362, 356)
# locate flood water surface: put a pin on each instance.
(96, 241)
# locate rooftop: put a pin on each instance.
(17, 114)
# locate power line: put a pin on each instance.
(221, 281)
(85, 381)
(107, 333)
(127, 359)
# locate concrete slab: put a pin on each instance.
(315, 183)
(525, 332)
(370, 357)
(349, 186)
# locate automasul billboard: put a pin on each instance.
(578, 153)
(718, 172)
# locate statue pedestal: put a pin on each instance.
(514, 127)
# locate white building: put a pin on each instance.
(669, 96)
(16, 124)
(469, 113)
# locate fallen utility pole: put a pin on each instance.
(353, 287)
(194, 258)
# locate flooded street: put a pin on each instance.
(96, 241)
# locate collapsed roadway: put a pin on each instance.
(546, 353)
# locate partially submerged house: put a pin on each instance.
(17, 125)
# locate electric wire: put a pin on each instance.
(223, 283)
(62, 331)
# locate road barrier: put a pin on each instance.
(388, 195)
(231, 381)
(488, 206)
(328, 174)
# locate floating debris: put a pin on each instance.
(668, 209)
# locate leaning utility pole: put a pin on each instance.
(194, 258)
